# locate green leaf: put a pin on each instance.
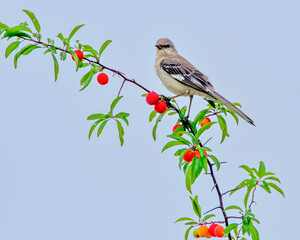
(223, 127)
(237, 104)
(187, 233)
(171, 144)
(96, 116)
(11, 47)
(154, 131)
(63, 56)
(241, 185)
(75, 29)
(101, 127)
(216, 161)
(123, 116)
(2, 25)
(234, 116)
(34, 20)
(200, 116)
(191, 223)
(262, 169)
(208, 217)
(248, 169)
(254, 232)
(273, 178)
(202, 129)
(114, 104)
(233, 207)
(121, 132)
(196, 169)
(24, 51)
(18, 28)
(229, 228)
(104, 45)
(56, 66)
(278, 189)
(86, 79)
(184, 219)
(152, 115)
(247, 196)
(93, 128)
(196, 206)
(266, 186)
(188, 179)
(10, 34)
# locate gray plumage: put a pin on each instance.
(182, 78)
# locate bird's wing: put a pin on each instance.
(184, 72)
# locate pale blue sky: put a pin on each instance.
(56, 184)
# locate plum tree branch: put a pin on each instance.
(183, 119)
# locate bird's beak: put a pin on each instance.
(158, 46)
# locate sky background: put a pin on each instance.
(57, 184)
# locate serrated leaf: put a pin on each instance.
(188, 179)
(223, 127)
(208, 217)
(75, 29)
(187, 233)
(229, 228)
(184, 219)
(278, 189)
(121, 132)
(152, 115)
(171, 144)
(262, 169)
(202, 129)
(33, 19)
(101, 127)
(114, 103)
(104, 45)
(93, 128)
(56, 66)
(11, 47)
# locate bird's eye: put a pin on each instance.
(166, 46)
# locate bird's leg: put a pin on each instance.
(177, 95)
(191, 99)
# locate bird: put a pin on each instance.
(183, 79)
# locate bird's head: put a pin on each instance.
(165, 46)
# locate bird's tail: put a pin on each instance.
(232, 107)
